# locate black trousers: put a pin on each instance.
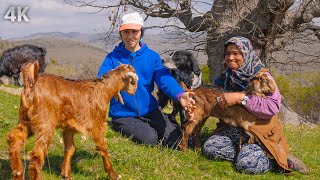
(150, 129)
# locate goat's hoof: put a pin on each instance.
(114, 176)
(16, 173)
(183, 149)
(119, 177)
(65, 177)
(197, 149)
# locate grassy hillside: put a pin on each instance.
(67, 51)
(134, 161)
(4, 45)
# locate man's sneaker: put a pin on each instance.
(296, 164)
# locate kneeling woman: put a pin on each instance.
(272, 150)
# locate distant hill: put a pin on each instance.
(74, 48)
(162, 43)
(93, 38)
(66, 51)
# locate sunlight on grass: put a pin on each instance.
(134, 161)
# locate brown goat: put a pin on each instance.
(208, 103)
(49, 102)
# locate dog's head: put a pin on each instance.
(184, 68)
(261, 84)
(184, 60)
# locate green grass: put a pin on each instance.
(134, 161)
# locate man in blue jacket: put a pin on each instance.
(140, 117)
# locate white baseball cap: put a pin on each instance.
(131, 21)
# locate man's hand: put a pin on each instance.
(188, 103)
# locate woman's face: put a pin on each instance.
(131, 38)
(233, 57)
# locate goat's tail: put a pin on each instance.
(30, 72)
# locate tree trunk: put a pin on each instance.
(289, 116)
(215, 58)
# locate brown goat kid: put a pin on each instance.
(208, 103)
(49, 102)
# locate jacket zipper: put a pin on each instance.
(135, 96)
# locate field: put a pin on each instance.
(134, 161)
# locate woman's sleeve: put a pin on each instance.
(267, 107)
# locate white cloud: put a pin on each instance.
(48, 16)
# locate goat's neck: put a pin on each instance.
(111, 86)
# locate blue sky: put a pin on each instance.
(53, 16)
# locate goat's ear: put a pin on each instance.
(132, 77)
(254, 87)
(270, 83)
(119, 98)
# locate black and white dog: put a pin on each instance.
(184, 68)
(12, 60)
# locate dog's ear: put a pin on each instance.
(194, 64)
(172, 53)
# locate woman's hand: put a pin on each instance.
(232, 98)
(188, 103)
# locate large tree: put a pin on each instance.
(270, 24)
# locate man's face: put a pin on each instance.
(131, 38)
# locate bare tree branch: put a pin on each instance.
(270, 24)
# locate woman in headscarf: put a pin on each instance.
(270, 150)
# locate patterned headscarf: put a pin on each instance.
(238, 80)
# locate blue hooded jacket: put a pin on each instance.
(148, 66)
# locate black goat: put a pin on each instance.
(12, 60)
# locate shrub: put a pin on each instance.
(302, 93)
(87, 70)
(4, 45)
(54, 61)
(206, 74)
